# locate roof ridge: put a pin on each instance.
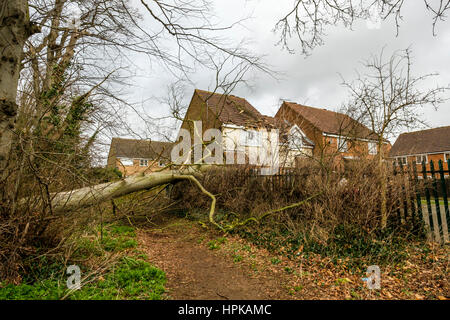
(323, 109)
(144, 140)
(423, 130)
(221, 94)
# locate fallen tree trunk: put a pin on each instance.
(67, 201)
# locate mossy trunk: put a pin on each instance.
(15, 28)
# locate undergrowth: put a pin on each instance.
(111, 268)
(349, 246)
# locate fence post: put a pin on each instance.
(418, 199)
(427, 195)
(444, 193)
(398, 201)
(436, 198)
(411, 195)
(405, 197)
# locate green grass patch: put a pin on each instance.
(130, 278)
(237, 258)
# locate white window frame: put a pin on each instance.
(342, 144)
(124, 161)
(143, 162)
(251, 138)
(446, 156)
(373, 148)
(398, 160)
(421, 155)
(295, 141)
(161, 163)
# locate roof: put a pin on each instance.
(131, 148)
(420, 142)
(234, 110)
(332, 122)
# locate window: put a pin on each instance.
(446, 156)
(143, 162)
(402, 160)
(251, 138)
(342, 144)
(372, 148)
(161, 163)
(421, 158)
(295, 141)
(126, 161)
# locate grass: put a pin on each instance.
(129, 277)
(424, 201)
(215, 244)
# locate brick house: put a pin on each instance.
(246, 133)
(133, 156)
(333, 134)
(423, 146)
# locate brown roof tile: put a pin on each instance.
(420, 142)
(332, 122)
(235, 110)
(131, 148)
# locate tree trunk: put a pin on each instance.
(84, 197)
(15, 28)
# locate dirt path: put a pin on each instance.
(195, 272)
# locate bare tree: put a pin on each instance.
(309, 19)
(73, 75)
(388, 98)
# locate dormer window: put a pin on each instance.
(296, 140)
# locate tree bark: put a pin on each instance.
(66, 201)
(15, 28)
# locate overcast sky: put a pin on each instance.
(313, 80)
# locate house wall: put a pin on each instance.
(286, 113)
(136, 168)
(268, 151)
(327, 146)
(288, 157)
(356, 148)
(197, 111)
(435, 157)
